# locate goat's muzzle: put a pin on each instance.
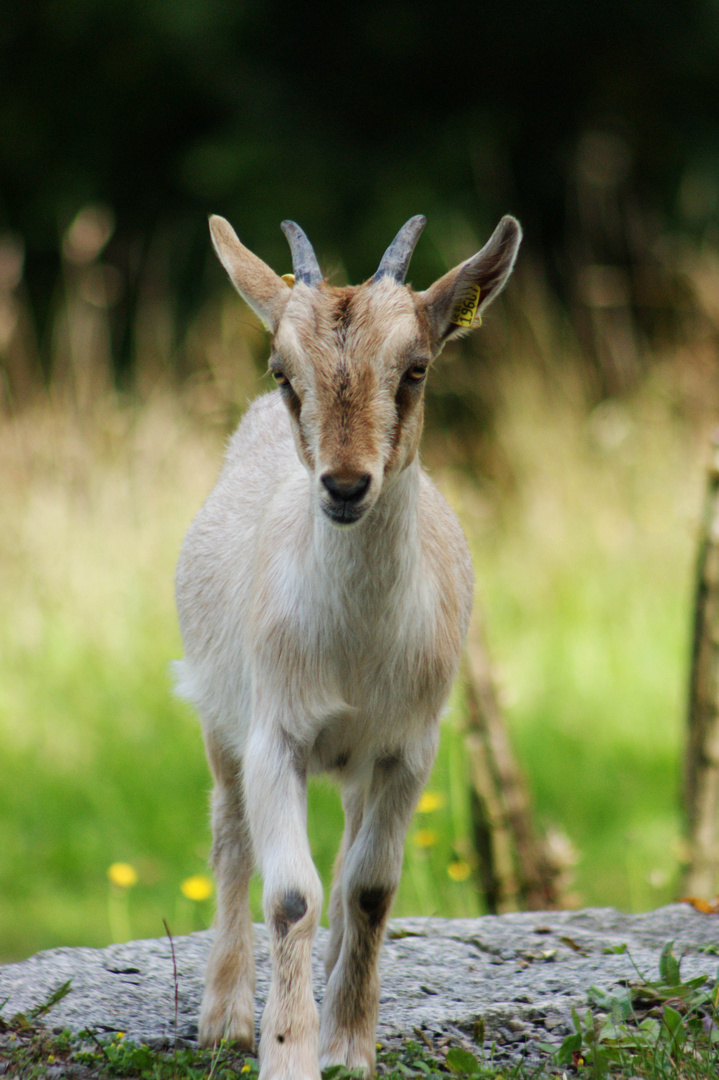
(343, 496)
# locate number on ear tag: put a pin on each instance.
(465, 313)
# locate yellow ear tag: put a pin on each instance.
(465, 313)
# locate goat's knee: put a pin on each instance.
(297, 907)
(372, 903)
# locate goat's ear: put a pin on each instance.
(454, 304)
(261, 287)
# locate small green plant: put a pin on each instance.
(660, 1029)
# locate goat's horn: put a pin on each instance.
(396, 258)
(304, 261)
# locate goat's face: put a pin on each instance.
(351, 362)
(351, 365)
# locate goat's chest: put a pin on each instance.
(378, 689)
(375, 647)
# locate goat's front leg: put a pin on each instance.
(369, 879)
(292, 901)
(228, 1010)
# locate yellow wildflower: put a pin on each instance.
(431, 800)
(198, 887)
(459, 870)
(425, 838)
(122, 874)
(245, 1068)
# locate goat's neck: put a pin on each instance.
(381, 550)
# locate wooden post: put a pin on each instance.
(515, 872)
(701, 779)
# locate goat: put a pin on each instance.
(324, 592)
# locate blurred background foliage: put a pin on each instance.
(596, 124)
(570, 433)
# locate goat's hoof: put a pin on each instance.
(232, 1020)
(350, 1049)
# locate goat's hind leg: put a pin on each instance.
(366, 886)
(228, 1010)
(353, 799)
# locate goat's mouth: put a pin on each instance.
(344, 513)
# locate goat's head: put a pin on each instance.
(351, 362)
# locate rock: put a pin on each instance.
(516, 977)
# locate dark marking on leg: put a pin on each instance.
(374, 904)
(290, 910)
(357, 992)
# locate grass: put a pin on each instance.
(585, 574)
(93, 522)
(588, 590)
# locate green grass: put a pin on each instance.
(584, 571)
(588, 591)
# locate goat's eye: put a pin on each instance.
(280, 377)
(415, 374)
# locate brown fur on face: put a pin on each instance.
(345, 354)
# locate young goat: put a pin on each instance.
(324, 592)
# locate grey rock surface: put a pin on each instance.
(521, 974)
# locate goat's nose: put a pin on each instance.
(346, 491)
